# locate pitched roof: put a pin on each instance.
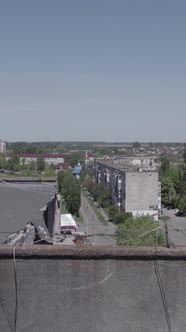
(63, 166)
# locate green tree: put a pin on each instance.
(88, 183)
(70, 189)
(184, 153)
(183, 180)
(40, 164)
(168, 192)
(139, 231)
(32, 166)
(2, 162)
(118, 218)
(113, 210)
(72, 194)
(87, 170)
(74, 158)
(174, 175)
(165, 167)
(104, 198)
(13, 164)
(60, 178)
(121, 217)
(182, 205)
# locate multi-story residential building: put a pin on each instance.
(2, 147)
(132, 189)
(50, 158)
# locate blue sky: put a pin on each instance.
(93, 70)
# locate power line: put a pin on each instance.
(126, 233)
(6, 313)
(16, 289)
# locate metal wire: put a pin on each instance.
(16, 289)
(6, 313)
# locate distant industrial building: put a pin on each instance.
(133, 188)
(2, 147)
(49, 158)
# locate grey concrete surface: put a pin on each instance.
(21, 203)
(92, 226)
(176, 228)
(104, 295)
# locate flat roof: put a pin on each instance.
(22, 203)
(124, 167)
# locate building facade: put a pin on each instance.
(132, 190)
(2, 147)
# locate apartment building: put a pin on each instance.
(132, 189)
(2, 147)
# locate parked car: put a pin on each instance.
(179, 214)
(170, 207)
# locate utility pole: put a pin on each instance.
(167, 236)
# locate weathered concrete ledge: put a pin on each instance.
(98, 252)
(27, 179)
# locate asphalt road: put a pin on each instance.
(176, 228)
(21, 203)
(92, 226)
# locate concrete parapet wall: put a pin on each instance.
(92, 289)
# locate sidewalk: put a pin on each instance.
(100, 234)
(104, 215)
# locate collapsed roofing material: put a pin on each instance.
(29, 235)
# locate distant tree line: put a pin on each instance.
(33, 148)
(14, 165)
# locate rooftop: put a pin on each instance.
(35, 155)
(30, 199)
(121, 165)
